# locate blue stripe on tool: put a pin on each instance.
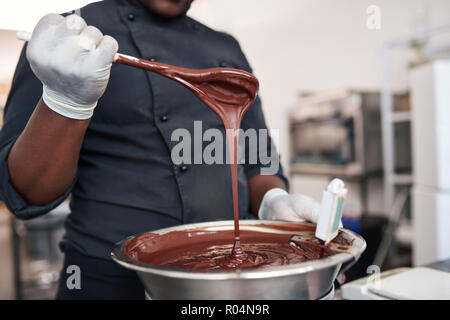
(337, 216)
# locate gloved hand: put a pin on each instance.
(73, 62)
(277, 204)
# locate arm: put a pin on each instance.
(258, 185)
(43, 161)
(73, 61)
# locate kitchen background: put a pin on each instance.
(349, 101)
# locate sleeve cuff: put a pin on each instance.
(13, 200)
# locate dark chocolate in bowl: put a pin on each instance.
(194, 261)
(206, 249)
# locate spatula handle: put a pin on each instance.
(23, 35)
(119, 58)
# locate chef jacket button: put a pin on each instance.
(131, 17)
(223, 64)
(164, 118)
(193, 25)
(183, 168)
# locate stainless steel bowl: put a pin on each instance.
(307, 280)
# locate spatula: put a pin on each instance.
(225, 85)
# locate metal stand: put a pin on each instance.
(17, 267)
(35, 255)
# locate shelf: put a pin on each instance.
(401, 116)
(402, 179)
(349, 171)
(404, 233)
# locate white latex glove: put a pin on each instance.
(73, 62)
(277, 204)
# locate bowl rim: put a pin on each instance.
(357, 248)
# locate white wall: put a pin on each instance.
(9, 54)
(297, 45)
(24, 14)
(10, 49)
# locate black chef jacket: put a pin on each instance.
(126, 182)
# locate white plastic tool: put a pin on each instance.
(331, 210)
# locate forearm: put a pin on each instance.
(258, 185)
(44, 159)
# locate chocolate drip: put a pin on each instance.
(229, 93)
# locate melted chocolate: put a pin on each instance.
(206, 250)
